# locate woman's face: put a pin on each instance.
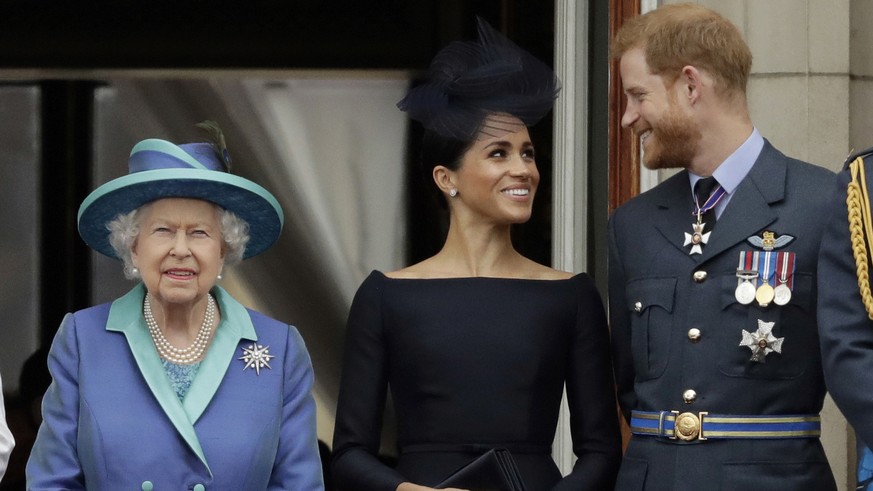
(179, 249)
(498, 175)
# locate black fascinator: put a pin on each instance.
(468, 80)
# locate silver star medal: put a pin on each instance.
(257, 357)
(697, 239)
(762, 342)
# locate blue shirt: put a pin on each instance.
(734, 169)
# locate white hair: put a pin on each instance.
(124, 229)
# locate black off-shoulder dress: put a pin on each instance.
(475, 363)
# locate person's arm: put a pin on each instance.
(298, 463)
(845, 329)
(7, 442)
(619, 326)
(54, 461)
(591, 398)
(362, 394)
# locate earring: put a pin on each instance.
(453, 192)
(219, 276)
(134, 270)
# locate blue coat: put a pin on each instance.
(658, 294)
(111, 419)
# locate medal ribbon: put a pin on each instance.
(716, 196)
(767, 266)
(756, 264)
(746, 262)
(745, 265)
(785, 268)
(744, 268)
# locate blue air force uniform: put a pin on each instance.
(722, 389)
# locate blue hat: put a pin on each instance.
(160, 169)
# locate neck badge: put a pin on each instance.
(697, 238)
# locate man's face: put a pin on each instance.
(668, 135)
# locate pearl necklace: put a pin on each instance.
(180, 356)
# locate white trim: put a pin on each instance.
(648, 178)
(570, 235)
(648, 5)
(570, 231)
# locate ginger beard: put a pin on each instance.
(673, 141)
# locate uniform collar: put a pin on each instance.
(736, 167)
(749, 212)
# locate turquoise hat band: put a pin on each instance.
(160, 169)
(156, 154)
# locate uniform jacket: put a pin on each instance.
(658, 293)
(113, 421)
(846, 330)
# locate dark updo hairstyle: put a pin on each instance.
(467, 81)
(437, 149)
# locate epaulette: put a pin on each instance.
(854, 156)
(860, 222)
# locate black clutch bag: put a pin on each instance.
(494, 470)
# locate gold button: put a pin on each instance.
(638, 307)
(689, 396)
(694, 334)
(699, 276)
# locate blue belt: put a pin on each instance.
(703, 426)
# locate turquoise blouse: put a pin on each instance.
(180, 376)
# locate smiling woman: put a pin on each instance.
(476, 342)
(496, 178)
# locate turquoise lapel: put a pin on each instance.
(236, 324)
(125, 315)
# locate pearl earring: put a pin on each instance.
(134, 270)
(453, 192)
(219, 276)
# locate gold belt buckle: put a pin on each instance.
(688, 426)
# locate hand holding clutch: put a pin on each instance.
(495, 470)
(408, 486)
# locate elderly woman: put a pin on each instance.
(477, 342)
(176, 385)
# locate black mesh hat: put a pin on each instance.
(469, 80)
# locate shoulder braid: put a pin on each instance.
(860, 228)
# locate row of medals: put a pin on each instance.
(764, 294)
